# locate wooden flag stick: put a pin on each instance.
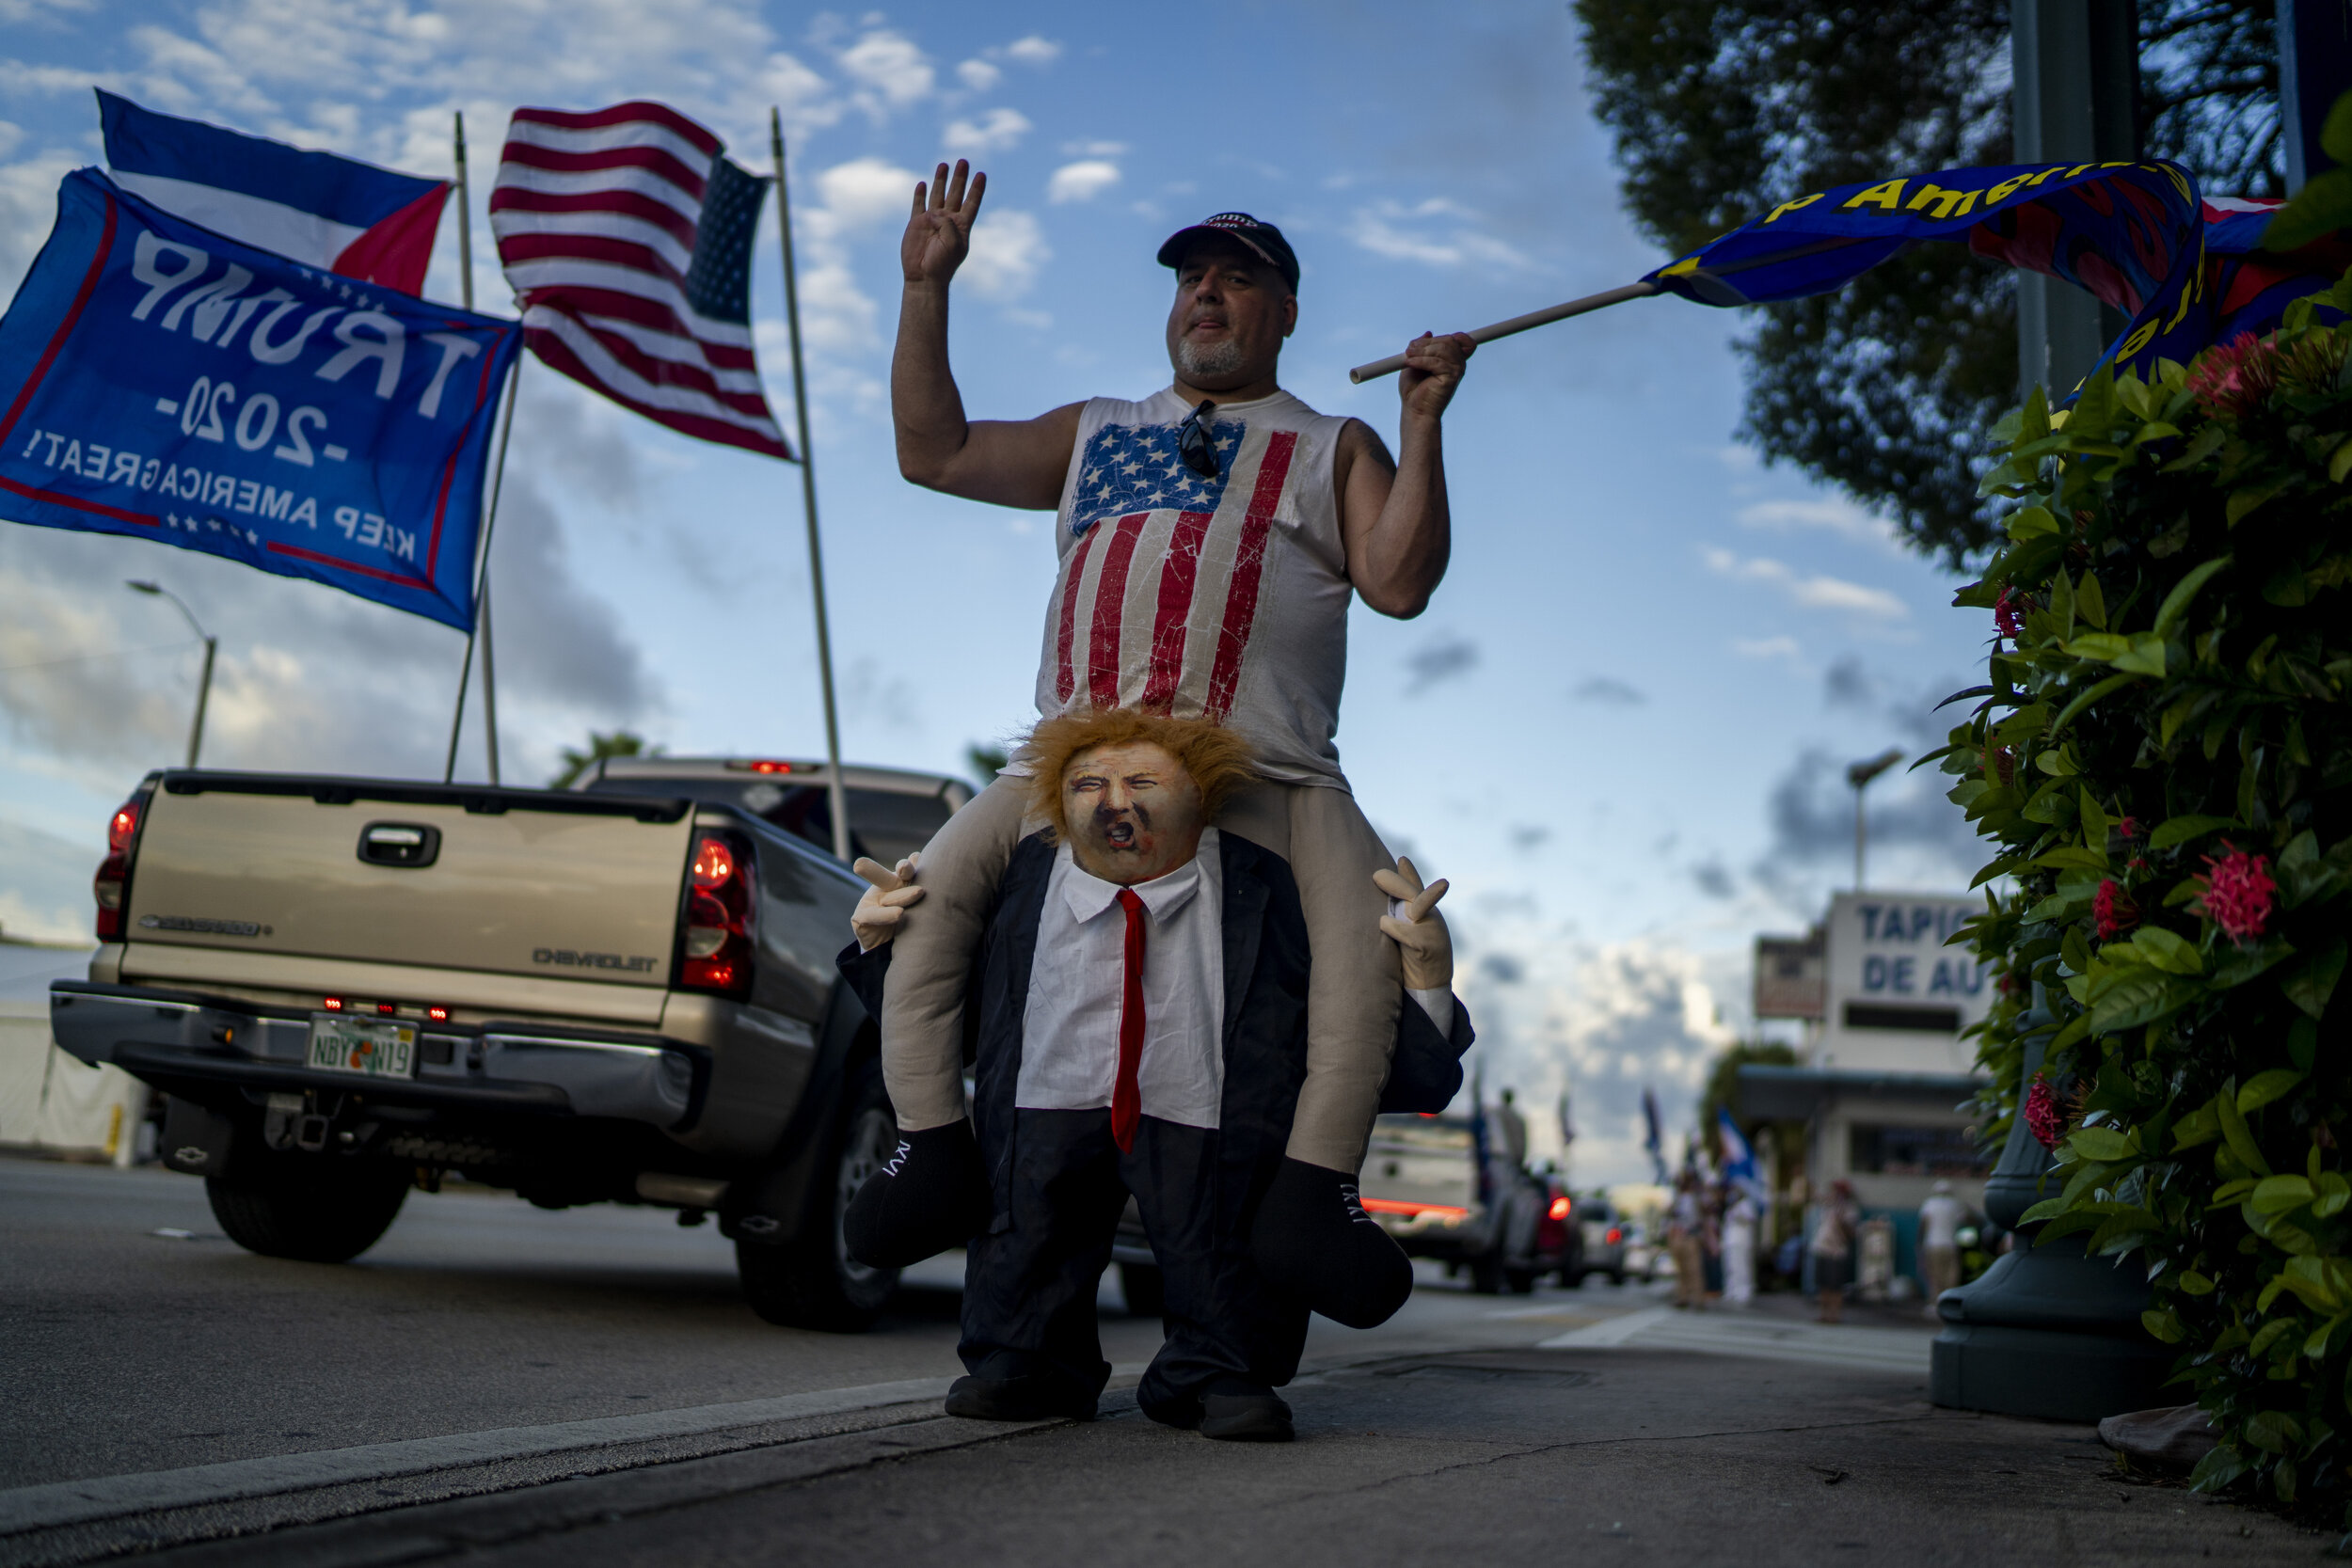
(1395, 362)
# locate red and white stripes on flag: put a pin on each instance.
(627, 234)
(1155, 609)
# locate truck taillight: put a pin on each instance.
(112, 885)
(717, 947)
(1560, 1207)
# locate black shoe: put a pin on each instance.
(1313, 1242)
(1182, 1412)
(1246, 1413)
(1018, 1399)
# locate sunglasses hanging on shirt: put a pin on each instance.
(1196, 441)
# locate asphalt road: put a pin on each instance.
(131, 1349)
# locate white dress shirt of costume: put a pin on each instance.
(1070, 1029)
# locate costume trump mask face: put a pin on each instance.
(1135, 813)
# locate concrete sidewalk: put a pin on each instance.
(1615, 1454)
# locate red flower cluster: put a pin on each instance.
(2235, 377)
(2043, 1118)
(2129, 827)
(2000, 766)
(2113, 909)
(2237, 892)
(2005, 621)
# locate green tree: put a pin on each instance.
(620, 743)
(987, 761)
(1723, 1093)
(1721, 108)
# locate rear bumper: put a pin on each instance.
(177, 1040)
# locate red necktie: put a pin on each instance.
(1126, 1097)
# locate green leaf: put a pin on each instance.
(2323, 206)
(2263, 1088)
(2083, 700)
(2102, 1143)
(2201, 446)
(2278, 1194)
(2048, 1208)
(2312, 982)
(2180, 830)
(2140, 997)
(2073, 857)
(2175, 607)
(2200, 1126)
(2196, 1284)
(2105, 646)
(2244, 501)
(2168, 950)
(2235, 1133)
(2165, 1326)
(2231, 1193)
(2090, 603)
(2272, 1431)
(2030, 522)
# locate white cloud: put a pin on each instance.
(1435, 232)
(1082, 181)
(1811, 593)
(1008, 250)
(1767, 648)
(979, 75)
(1033, 50)
(1832, 513)
(1095, 149)
(889, 65)
(997, 130)
(863, 192)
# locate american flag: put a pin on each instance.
(1157, 601)
(626, 234)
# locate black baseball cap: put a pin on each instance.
(1259, 236)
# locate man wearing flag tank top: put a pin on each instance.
(1210, 537)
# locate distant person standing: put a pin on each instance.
(1686, 1240)
(1739, 1217)
(1940, 1219)
(1833, 1248)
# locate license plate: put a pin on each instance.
(373, 1048)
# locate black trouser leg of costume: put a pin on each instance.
(1028, 1294)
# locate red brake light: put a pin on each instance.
(332, 1004)
(1616, 1235)
(714, 863)
(386, 1010)
(111, 886)
(438, 1015)
(1560, 1207)
(715, 949)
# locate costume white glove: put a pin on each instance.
(1418, 930)
(878, 915)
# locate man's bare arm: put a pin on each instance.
(1393, 516)
(1009, 463)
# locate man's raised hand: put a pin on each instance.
(882, 908)
(939, 230)
(1432, 368)
(1423, 943)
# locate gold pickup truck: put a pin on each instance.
(620, 992)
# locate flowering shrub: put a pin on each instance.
(2162, 757)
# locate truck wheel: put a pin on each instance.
(1145, 1288)
(812, 1281)
(314, 1210)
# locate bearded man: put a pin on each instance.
(1210, 538)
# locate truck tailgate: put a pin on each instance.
(526, 883)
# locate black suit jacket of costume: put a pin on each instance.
(1267, 968)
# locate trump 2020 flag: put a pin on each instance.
(338, 214)
(2134, 235)
(167, 382)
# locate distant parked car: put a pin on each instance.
(1602, 1234)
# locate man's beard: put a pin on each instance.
(1200, 359)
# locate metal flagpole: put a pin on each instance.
(836, 795)
(482, 577)
(1395, 362)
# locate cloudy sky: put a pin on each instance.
(1620, 728)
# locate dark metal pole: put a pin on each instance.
(2075, 75)
(204, 695)
(481, 591)
(836, 795)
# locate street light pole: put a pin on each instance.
(212, 646)
(1859, 775)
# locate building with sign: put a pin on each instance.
(1883, 1072)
